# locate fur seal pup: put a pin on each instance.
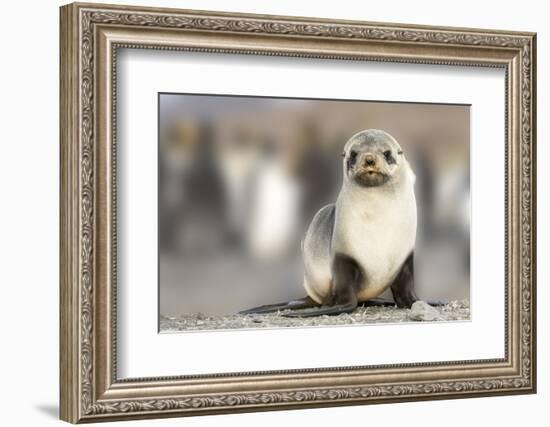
(363, 244)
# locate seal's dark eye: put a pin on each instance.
(389, 157)
(351, 160)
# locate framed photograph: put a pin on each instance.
(267, 212)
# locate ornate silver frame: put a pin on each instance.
(90, 36)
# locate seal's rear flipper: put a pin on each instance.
(305, 302)
(436, 303)
(332, 310)
(385, 302)
(378, 302)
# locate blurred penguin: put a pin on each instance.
(276, 194)
(191, 195)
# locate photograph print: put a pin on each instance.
(291, 212)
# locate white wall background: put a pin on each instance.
(29, 170)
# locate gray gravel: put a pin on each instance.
(453, 311)
(423, 312)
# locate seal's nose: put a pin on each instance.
(370, 159)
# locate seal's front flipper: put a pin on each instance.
(305, 302)
(402, 287)
(333, 310)
(346, 276)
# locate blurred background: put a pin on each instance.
(240, 178)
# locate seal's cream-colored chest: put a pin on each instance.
(379, 234)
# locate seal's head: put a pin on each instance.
(373, 158)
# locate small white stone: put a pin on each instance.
(422, 311)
